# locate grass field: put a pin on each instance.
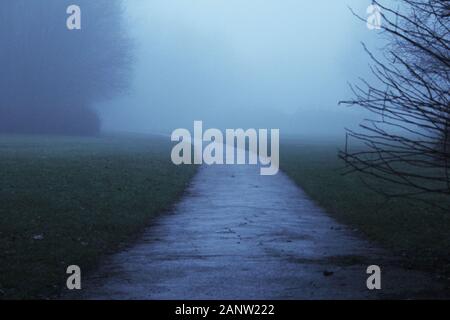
(409, 228)
(70, 200)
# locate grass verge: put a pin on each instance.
(409, 228)
(70, 200)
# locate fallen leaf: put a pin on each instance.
(38, 237)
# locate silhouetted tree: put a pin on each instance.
(50, 77)
(408, 140)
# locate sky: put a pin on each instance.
(242, 64)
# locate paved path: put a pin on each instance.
(239, 235)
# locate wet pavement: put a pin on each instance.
(238, 235)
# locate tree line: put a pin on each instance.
(50, 76)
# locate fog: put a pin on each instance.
(155, 66)
(52, 77)
(251, 64)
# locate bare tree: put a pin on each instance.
(407, 141)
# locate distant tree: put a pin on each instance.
(408, 140)
(50, 77)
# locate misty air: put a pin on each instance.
(226, 151)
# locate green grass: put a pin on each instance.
(412, 229)
(71, 200)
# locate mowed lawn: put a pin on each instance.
(412, 229)
(67, 201)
